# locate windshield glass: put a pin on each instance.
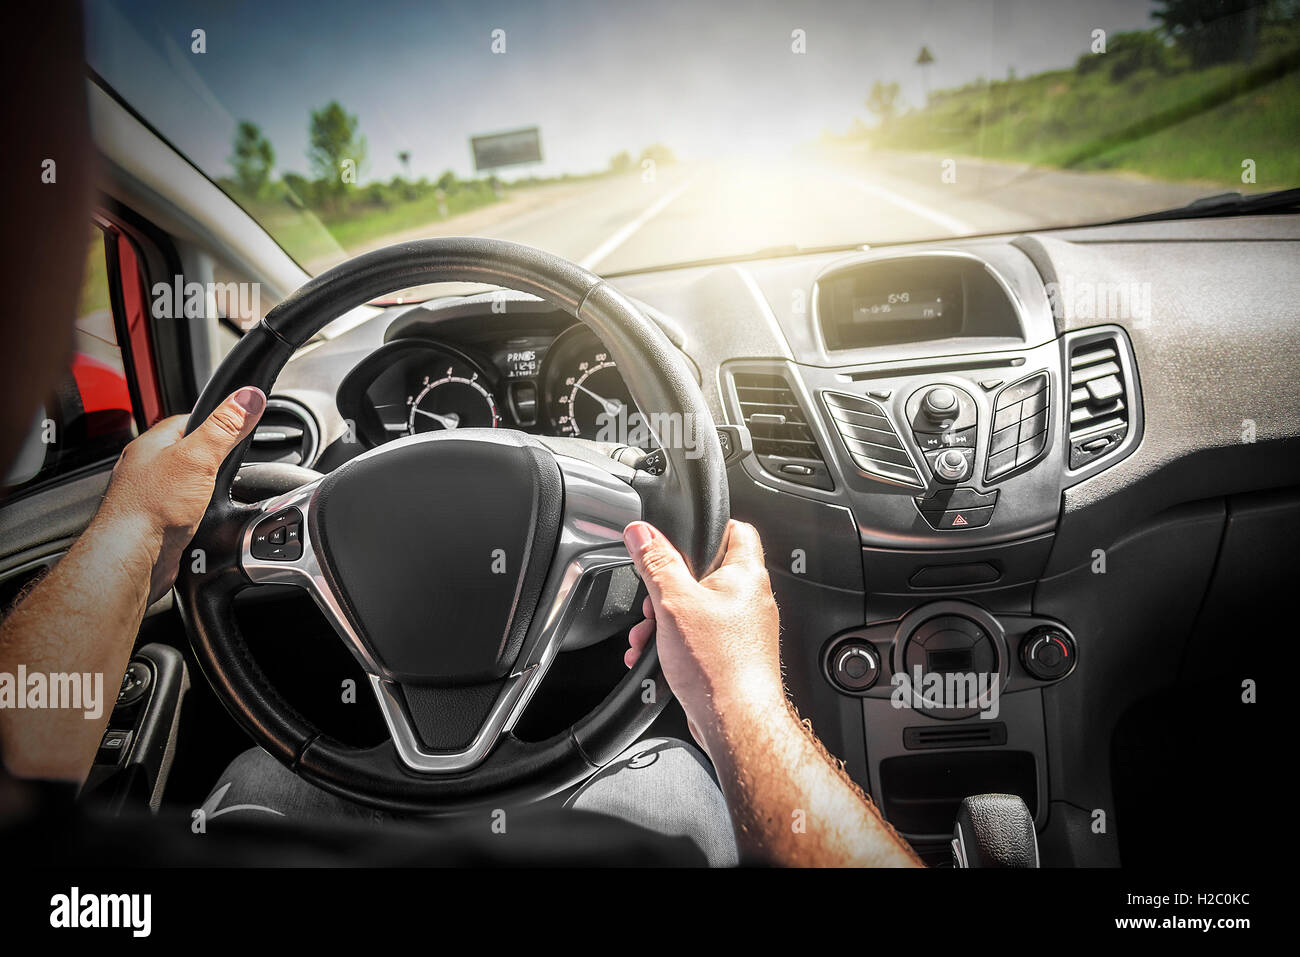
(627, 136)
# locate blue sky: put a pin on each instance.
(706, 77)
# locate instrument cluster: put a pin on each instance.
(565, 385)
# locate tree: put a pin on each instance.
(252, 158)
(620, 162)
(882, 101)
(334, 144)
(923, 60)
(660, 154)
(1213, 31)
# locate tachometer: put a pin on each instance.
(451, 401)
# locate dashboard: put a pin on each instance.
(1020, 455)
(545, 377)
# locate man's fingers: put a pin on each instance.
(743, 545)
(660, 565)
(640, 634)
(227, 426)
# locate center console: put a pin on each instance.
(935, 406)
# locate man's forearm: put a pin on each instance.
(791, 803)
(82, 619)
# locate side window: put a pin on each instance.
(89, 417)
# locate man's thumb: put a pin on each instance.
(228, 425)
(660, 564)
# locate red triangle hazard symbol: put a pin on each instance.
(958, 520)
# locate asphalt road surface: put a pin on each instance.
(690, 211)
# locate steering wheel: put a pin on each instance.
(454, 564)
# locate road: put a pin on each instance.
(702, 210)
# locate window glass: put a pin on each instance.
(88, 418)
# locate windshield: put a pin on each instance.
(628, 136)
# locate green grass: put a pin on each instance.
(94, 280)
(1180, 125)
(313, 235)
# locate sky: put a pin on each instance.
(708, 78)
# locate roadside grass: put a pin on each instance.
(1263, 126)
(310, 235)
(1172, 124)
(94, 280)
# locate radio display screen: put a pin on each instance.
(900, 305)
(891, 302)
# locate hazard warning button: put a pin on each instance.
(959, 518)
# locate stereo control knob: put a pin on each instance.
(939, 404)
(951, 466)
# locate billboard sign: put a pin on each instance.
(507, 149)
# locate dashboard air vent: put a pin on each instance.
(783, 441)
(1099, 400)
(871, 440)
(286, 434)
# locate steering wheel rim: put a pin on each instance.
(688, 502)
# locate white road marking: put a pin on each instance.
(951, 223)
(602, 251)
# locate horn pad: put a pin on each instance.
(439, 546)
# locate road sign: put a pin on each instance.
(507, 149)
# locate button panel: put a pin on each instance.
(278, 538)
(872, 443)
(1020, 420)
(958, 508)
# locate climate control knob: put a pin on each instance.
(1048, 653)
(855, 665)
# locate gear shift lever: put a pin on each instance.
(994, 830)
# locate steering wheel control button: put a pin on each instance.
(1048, 653)
(1020, 419)
(951, 465)
(854, 665)
(279, 537)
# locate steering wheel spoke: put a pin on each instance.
(279, 545)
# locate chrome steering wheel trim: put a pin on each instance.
(598, 505)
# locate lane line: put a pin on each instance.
(623, 235)
(951, 223)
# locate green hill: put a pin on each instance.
(1140, 107)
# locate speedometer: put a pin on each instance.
(586, 396)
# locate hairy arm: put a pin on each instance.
(718, 639)
(84, 616)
